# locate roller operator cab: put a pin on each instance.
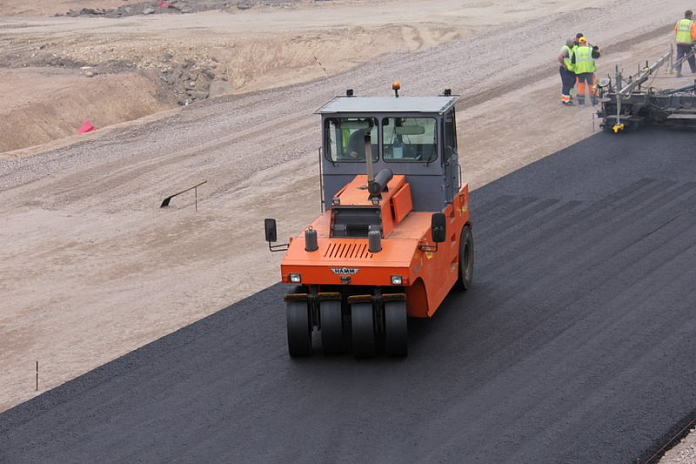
(394, 235)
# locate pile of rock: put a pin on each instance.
(192, 82)
(154, 6)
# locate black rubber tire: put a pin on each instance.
(395, 328)
(466, 259)
(363, 324)
(331, 327)
(299, 329)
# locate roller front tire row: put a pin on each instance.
(370, 328)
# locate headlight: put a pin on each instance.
(396, 280)
(295, 278)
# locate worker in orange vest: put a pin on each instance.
(685, 32)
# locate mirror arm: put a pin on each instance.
(274, 248)
(426, 247)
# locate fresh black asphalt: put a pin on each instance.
(575, 345)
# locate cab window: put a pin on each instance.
(345, 139)
(409, 139)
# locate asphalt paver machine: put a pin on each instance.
(626, 103)
(394, 236)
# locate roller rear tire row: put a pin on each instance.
(365, 328)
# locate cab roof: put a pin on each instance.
(344, 104)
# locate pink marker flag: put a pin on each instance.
(86, 127)
(163, 4)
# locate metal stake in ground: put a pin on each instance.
(166, 201)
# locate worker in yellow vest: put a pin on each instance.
(584, 61)
(685, 31)
(567, 71)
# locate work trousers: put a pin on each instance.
(567, 83)
(683, 49)
(589, 79)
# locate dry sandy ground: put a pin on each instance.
(90, 268)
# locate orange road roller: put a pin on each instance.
(394, 235)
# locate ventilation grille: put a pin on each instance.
(348, 251)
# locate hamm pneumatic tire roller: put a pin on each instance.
(387, 246)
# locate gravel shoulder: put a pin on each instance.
(91, 268)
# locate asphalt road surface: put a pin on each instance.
(575, 345)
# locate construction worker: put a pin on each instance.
(583, 59)
(576, 44)
(355, 150)
(685, 32)
(567, 71)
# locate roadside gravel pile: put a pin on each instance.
(174, 7)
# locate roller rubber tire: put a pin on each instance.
(466, 259)
(299, 329)
(331, 327)
(395, 328)
(363, 325)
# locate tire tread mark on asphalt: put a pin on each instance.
(503, 209)
(531, 222)
(602, 327)
(488, 226)
(598, 283)
(489, 207)
(611, 243)
(523, 214)
(655, 189)
(591, 224)
(553, 267)
(598, 243)
(496, 202)
(604, 313)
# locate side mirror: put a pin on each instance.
(272, 235)
(271, 231)
(438, 227)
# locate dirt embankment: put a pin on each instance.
(123, 60)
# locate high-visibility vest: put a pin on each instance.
(567, 60)
(684, 31)
(584, 63)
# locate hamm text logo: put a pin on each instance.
(345, 270)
